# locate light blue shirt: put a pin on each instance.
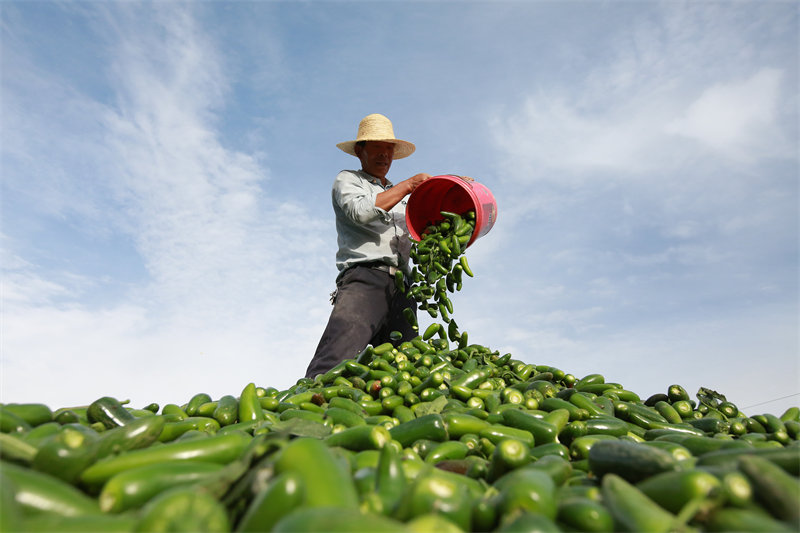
(366, 232)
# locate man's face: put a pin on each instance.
(376, 157)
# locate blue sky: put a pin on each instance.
(166, 172)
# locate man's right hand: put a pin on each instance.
(414, 181)
(390, 197)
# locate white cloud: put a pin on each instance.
(235, 290)
(556, 138)
(70, 355)
(19, 285)
(659, 187)
(200, 213)
(735, 118)
(678, 90)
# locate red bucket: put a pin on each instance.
(454, 194)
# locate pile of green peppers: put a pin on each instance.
(431, 434)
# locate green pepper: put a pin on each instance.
(465, 266)
(108, 411)
(434, 379)
(666, 410)
(633, 510)
(371, 407)
(34, 414)
(791, 413)
(348, 404)
(15, 449)
(326, 481)
(249, 405)
(172, 412)
(345, 417)
(99, 523)
(360, 437)
(778, 490)
(451, 449)
(588, 380)
(526, 490)
(298, 398)
(133, 488)
(598, 388)
(473, 378)
(217, 449)
(700, 445)
(606, 425)
(173, 430)
(508, 455)
(584, 514)
(575, 412)
(680, 453)
(410, 317)
(582, 401)
(283, 495)
(297, 412)
(227, 410)
(572, 431)
(673, 490)
(66, 454)
(429, 426)
(498, 432)
(773, 423)
(579, 448)
(543, 431)
(184, 509)
(40, 433)
(403, 414)
(684, 408)
(733, 519)
(550, 448)
(36, 492)
(546, 388)
(195, 402)
(677, 393)
(710, 425)
(269, 403)
(333, 520)
(437, 493)
(390, 480)
(557, 467)
(69, 416)
(459, 424)
(632, 460)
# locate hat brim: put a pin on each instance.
(401, 148)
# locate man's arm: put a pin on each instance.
(390, 198)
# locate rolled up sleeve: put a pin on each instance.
(356, 201)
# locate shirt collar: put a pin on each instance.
(375, 181)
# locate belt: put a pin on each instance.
(378, 265)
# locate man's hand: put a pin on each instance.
(414, 181)
(390, 197)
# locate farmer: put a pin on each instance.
(373, 245)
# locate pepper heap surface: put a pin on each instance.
(431, 434)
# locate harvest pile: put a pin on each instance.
(431, 434)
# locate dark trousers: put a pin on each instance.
(367, 308)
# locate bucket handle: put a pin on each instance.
(465, 178)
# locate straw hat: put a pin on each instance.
(377, 127)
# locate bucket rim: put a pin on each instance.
(468, 185)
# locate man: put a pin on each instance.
(373, 245)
